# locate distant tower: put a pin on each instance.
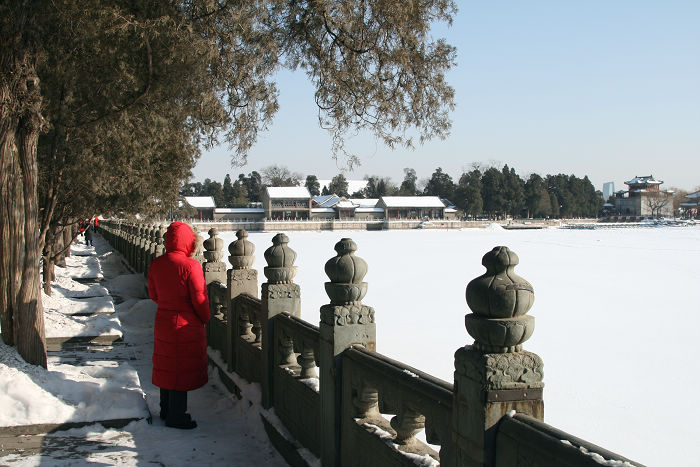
(608, 190)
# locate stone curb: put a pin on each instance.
(43, 429)
(56, 344)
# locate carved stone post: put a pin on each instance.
(214, 268)
(279, 294)
(344, 322)
(160, 240)
(150, 248)
(240, 279)
(495, 375)
(135, 240)
(140, 247)
(199, 246)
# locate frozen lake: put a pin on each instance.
(616, 313)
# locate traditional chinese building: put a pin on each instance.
(644, 198)
(204, 205)
(412, 207)
(286, 202)
(690, 208)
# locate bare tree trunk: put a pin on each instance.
(29, 314)
(8, 216)
(48, 274)
(29, 319)
(67, 241)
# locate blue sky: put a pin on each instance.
(604, 88)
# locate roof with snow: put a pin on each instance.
(412, 202)
(365, 202)
(695, 195)
(288, 192)
(644, 180)
(326, 201)
(345, 204)
(200, 201)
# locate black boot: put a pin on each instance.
(164, 403)
(176, 416)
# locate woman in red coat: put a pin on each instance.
(176, 284)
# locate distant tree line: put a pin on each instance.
(480, 192)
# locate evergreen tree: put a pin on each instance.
(554, 203)
(338, 186)
(492, 193)
(537, 197)
(228, 194)
(408, 186)
(239, 197)
(213, 189)
(468, 193)
(253, 185)
(313, 185)
(440, 184)
(377, 187)
(513, 192)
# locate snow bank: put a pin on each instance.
(64, 393)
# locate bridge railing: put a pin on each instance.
(348, 404)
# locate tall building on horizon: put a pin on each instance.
(608, 190)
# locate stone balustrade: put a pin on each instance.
(348, 404)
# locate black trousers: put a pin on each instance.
(173, 404)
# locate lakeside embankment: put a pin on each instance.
(330, 225)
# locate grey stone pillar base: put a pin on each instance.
(341, 326)
(276, 298)
(242, 281)
(487, 387)
(214, 271)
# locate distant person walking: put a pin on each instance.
(176, 284)
(89, 235)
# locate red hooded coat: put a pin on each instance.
(176, 284)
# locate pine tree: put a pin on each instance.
(338, 186)
(440, 184)
(468, 193)
(312, 184)
(408, 186)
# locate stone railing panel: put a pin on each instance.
(521, 439)
(373, 385)
(295, 385)
(247, 348)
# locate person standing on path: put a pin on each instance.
(180, 361)
(90, 235)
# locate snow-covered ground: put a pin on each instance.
(616, 312)
(230, 431)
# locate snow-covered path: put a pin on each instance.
(112, 384)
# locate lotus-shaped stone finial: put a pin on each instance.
(499, 300)
(280, 258)
(346, 272)
(241, 251)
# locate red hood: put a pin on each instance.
(179, 237)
